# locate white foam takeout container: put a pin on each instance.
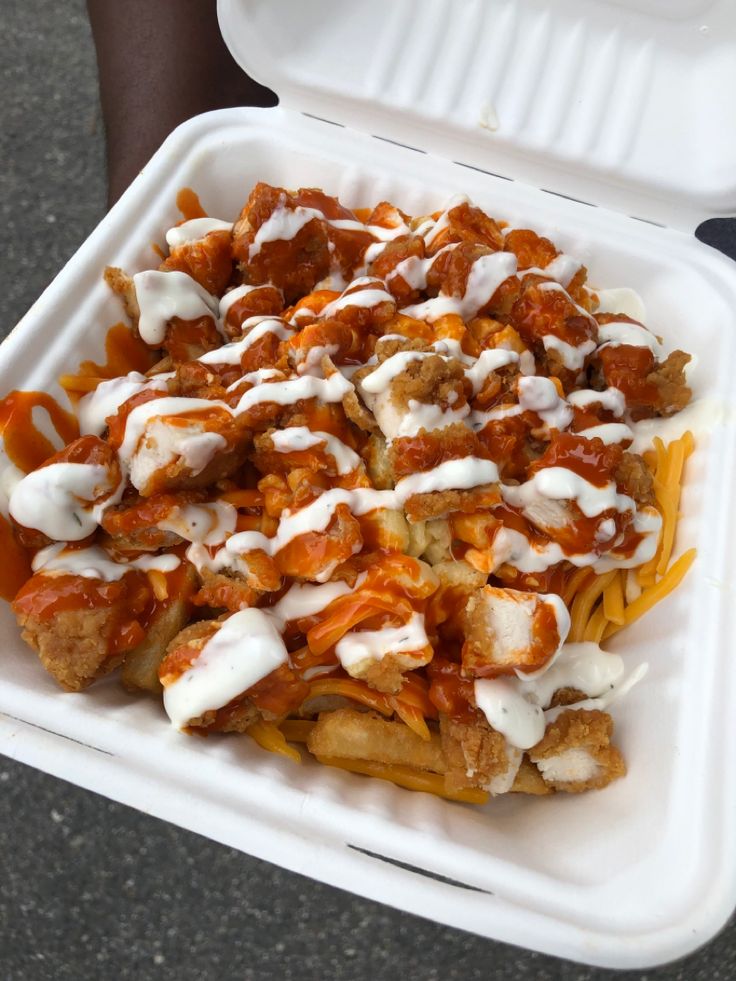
(645, 870)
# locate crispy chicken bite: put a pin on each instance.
(58, 501)
(280, 242)
(168, 310)
(477, 756)
(208, 260)
(81, 627)
(224, 675)
(380, 657)
(576, 752)
(244, 302)
(169, 451)
(508, 631)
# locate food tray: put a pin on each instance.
(639, 873)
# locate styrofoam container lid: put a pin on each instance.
(622, 103)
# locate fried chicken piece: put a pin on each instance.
(507, 630)
(187, 340)
(123, 286)
(438, 504)
(576, 752)
(89, 637)
(184, 340)
(133, 524)
(273, 696)
(651, 388)
(358, 414)
(401, 252)
(543, 310)
(458, 581)
(381, 657)
(429, 393)
(261, 301)
(467, 223)
(375, 453)
(669, 378)
(414, 454)
(530, 249)
(181, 452)
(477, 756)
(365, 736)
(634, 478)
(207, 260)
(295, 264)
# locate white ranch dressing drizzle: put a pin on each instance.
(194, 230)
(282, 225)
(603, 701)
(419, 415)
(232, 353)
(306, 600)
(96, 407)
(95, 563)
(207, 524)
(486, 274)
(58, 499)
(246, 647)
(609, 432)
(610, 399)
(358, 298)
(573, 356)
(488, 362)
(414, 271)
(359, 646)
(163, 295)
(544, 287)
(515, 706)
(431, 228)
(620, 332)
(540, 395)
(562, 269)
(462, 474)
(302, 438)
(561, 484)
(332, 389)
(381, 377)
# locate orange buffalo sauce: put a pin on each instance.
(187, 201)
(44, 597)
(15, 567)
(449, 691)
(25, 444)
(124, 352)
(592, 459)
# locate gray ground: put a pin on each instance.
(90, 889)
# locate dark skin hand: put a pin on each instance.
(160, 63)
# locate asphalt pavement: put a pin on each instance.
(90, 889)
